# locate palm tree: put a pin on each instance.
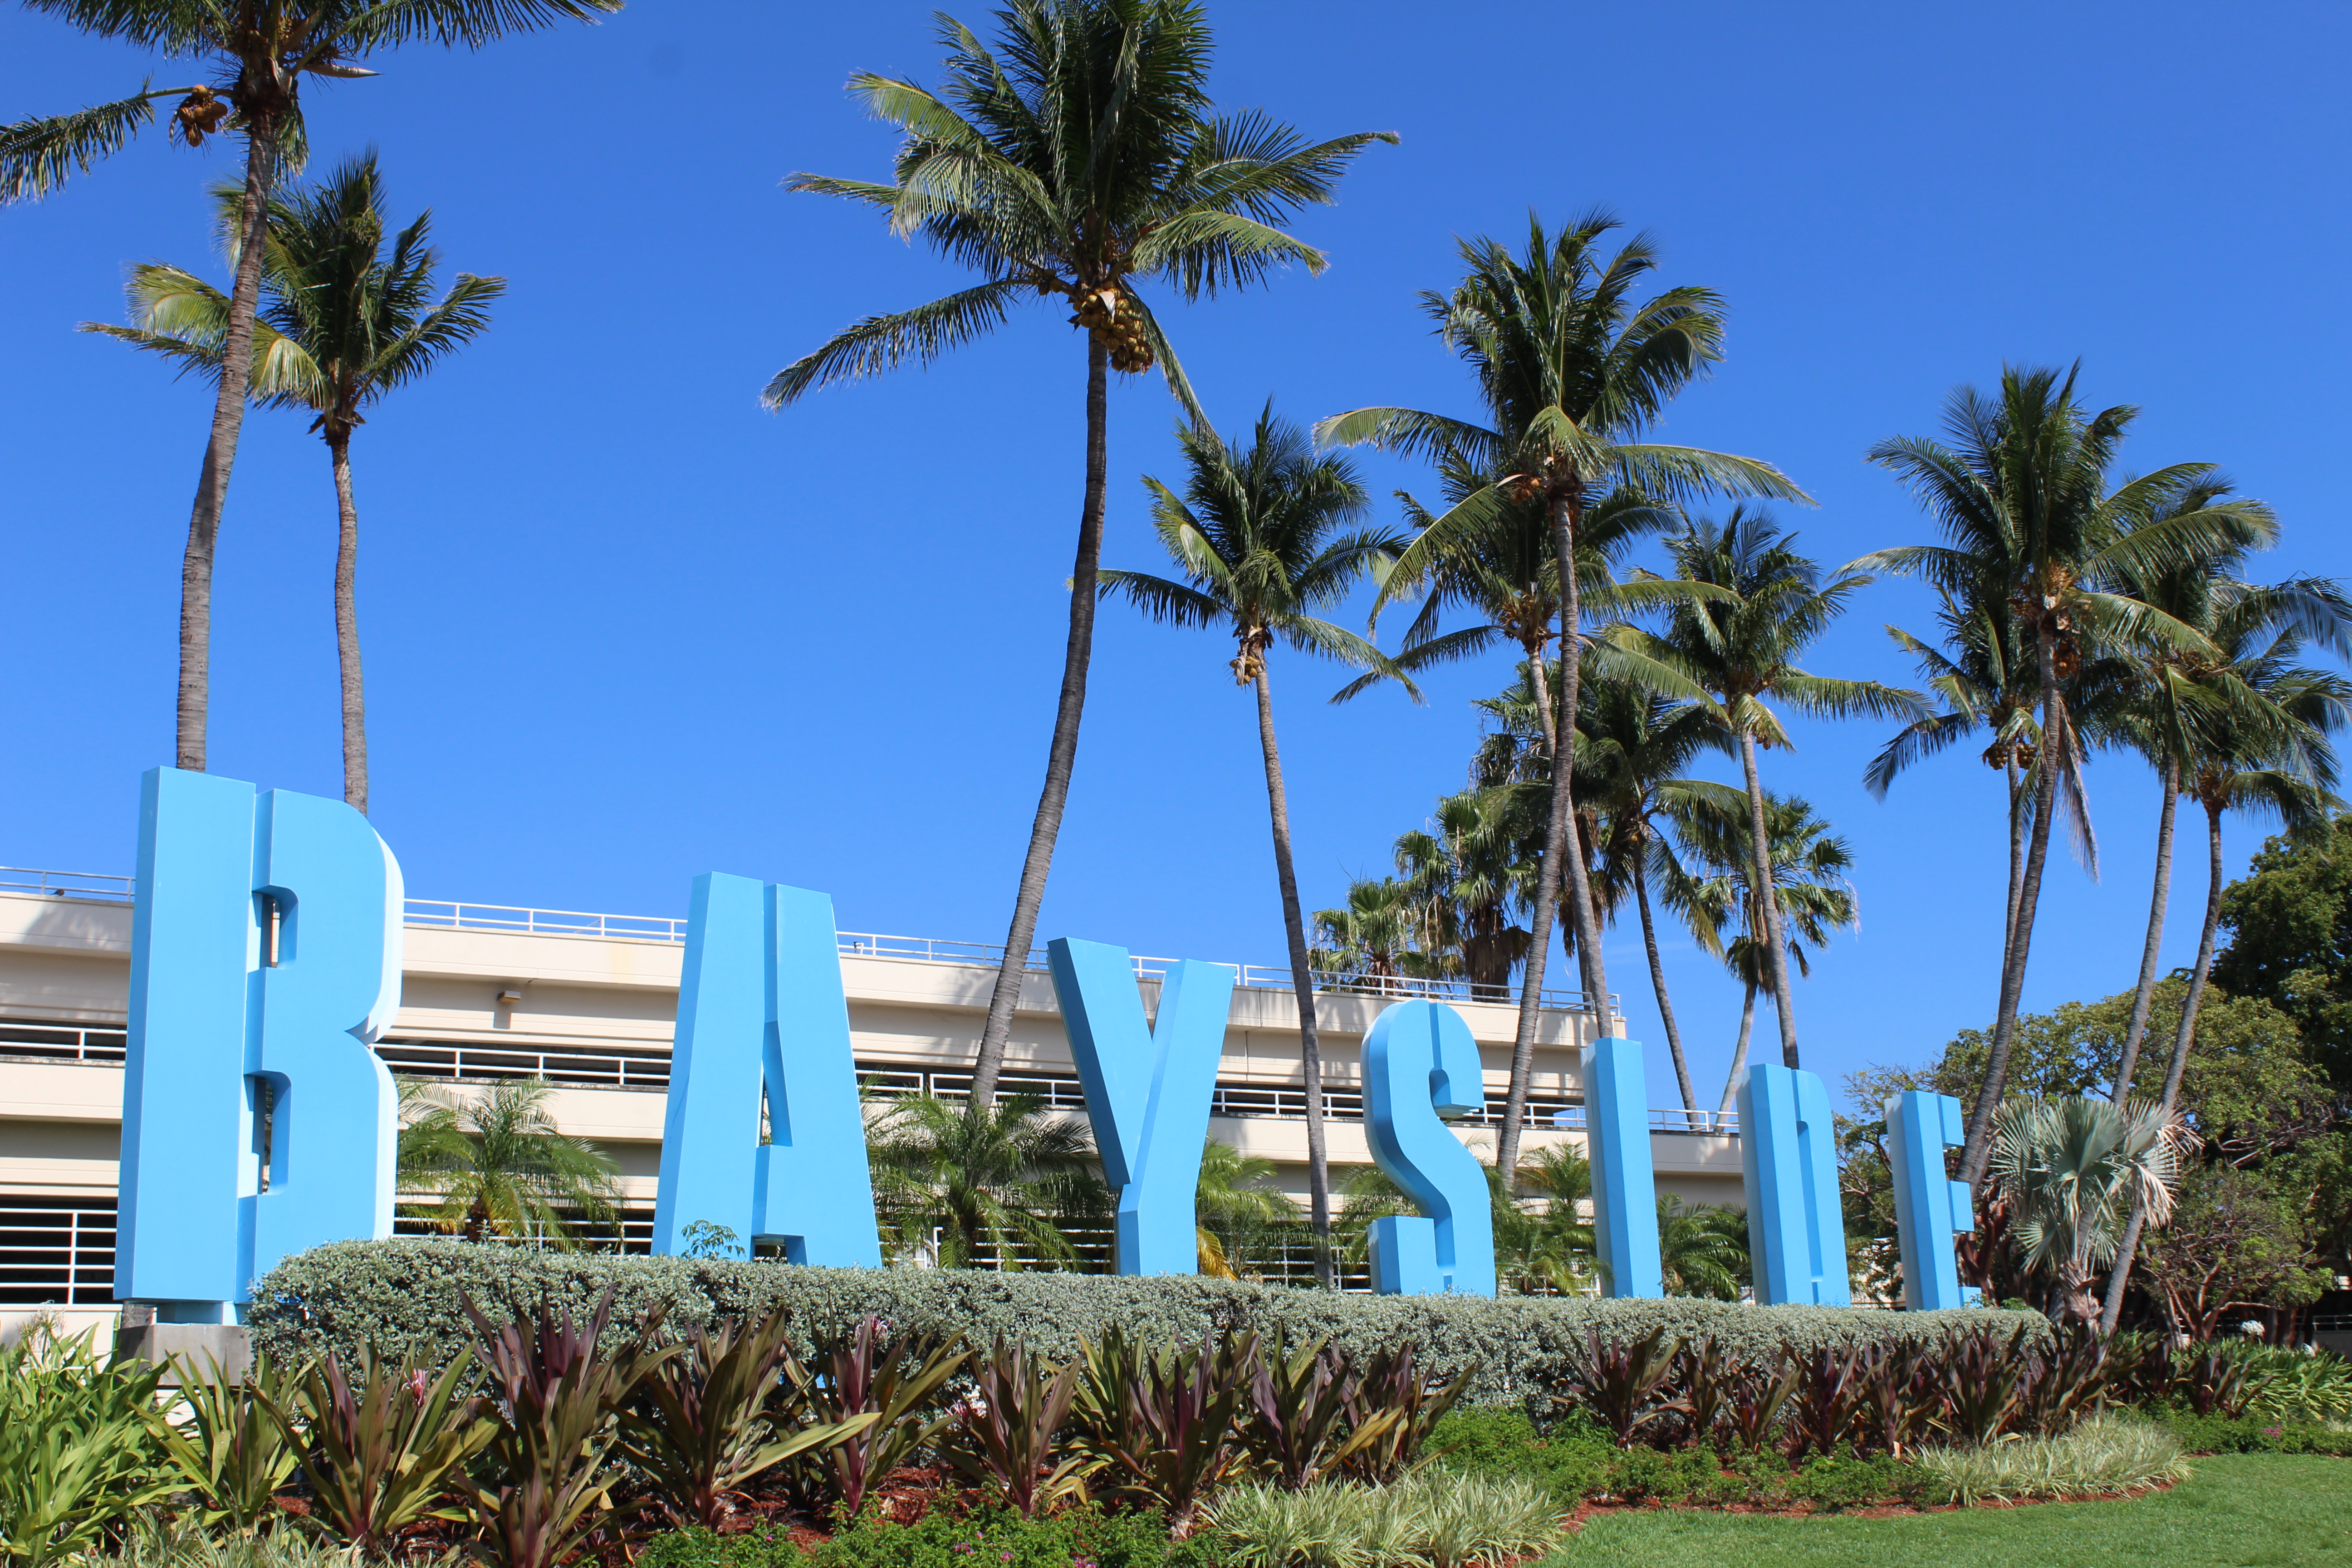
(2069, 1169)
(1079, 160)
(1632, 744)
(259, 55)
(1986, 681)
(1370, 940)
(1552, 1248)
(1463, 873)
(1572, 370)
(2022, 494)
(1710, 885)
(1237, 1212)
(1264, 537)
(1703, 1249)
(2172, 694)
(501, 1166)
(342, 323)
(2254, 738)
(959, 1184)
(1737, 650)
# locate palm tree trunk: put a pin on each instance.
(2170, 779)
(2181, 1039)
(1765, 893)
(1977, 1151)
(1062, 756)
(1658, 984)
(220, 454)
(1559, 843)
(1302, 984)
(1739, 1052)
(2016, 856)
(347, 628)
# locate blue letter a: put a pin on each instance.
(1147, 1089)
(761, 1002)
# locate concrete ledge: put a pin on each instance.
(201, 1349)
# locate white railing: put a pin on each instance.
(448, 914)
(66, 884)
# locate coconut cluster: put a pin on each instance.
(200, 114)
(1116, 322)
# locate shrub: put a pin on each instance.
(2254, 1434)
(154, 1542)
(402, 1298)
(2107, 1454)
(984, 1537)
(1427, 1520)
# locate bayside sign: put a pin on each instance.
(258, 1122)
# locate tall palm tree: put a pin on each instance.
(2255, 740)
(1985, 678)
(501, 1166)
(2172, 694)
(1737, 650)
(1632, 745)
(1265, 536)
(259, 53)
(343, 322)
(960, 1184)
(1572, 370)
(1079, 159)
(2020, 490)
(1710, 885)
(2070, 1168)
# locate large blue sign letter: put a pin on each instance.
(1420, 1064)
(1929, 1207)
(1624, 1180)
(1148, 1090)
(1788, 1154)
(761, 1000)
(266, 945)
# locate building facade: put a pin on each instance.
(587, 1003)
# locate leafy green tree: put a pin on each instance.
(1265, 537)
(343, 322)
(1571, 373)
(1549, 1246)
(964, 1185)
(1735, 651)
(2290, 925)
(259, 55)
(1078, 160)
(2234, 1242)
(2020, 490)
(501, 1166)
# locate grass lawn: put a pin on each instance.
(2240, 1511)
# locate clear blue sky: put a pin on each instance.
(623, 627)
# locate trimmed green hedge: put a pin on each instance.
(401, 1297)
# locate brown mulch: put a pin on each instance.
(1587, 1511)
